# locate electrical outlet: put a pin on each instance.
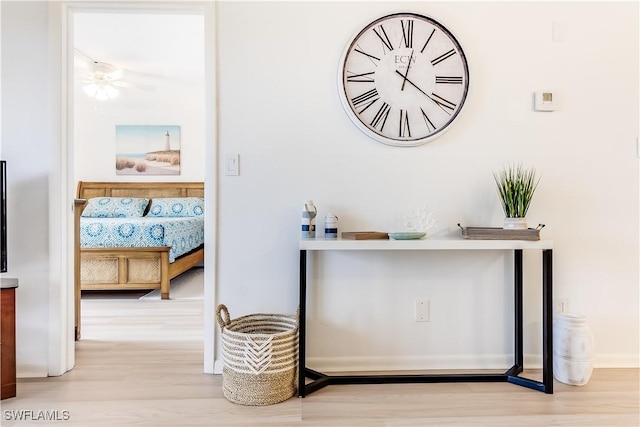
(422, 311)
(561, 305)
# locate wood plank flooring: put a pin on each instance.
(140, 364)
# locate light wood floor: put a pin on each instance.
(140, 364)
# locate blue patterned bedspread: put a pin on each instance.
(183, 234)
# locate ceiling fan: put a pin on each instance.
(102, 80)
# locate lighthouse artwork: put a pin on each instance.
(147, 150)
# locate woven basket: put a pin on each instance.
(260, 354)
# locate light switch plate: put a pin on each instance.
(233, 164)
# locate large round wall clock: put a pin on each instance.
(403, 79)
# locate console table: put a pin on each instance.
(8, 337)
(320, 380)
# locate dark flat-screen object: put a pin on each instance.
(3, 215)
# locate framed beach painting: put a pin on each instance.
(147, 150)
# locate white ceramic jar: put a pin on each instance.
(573, 349)
(331, 226)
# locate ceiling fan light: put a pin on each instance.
(101, 95)
(101, 92)
(91, 89)
(110, 91)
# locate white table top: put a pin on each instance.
(453, 243)
(8, 283)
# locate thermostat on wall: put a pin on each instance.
(544, 101)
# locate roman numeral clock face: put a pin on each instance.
(403, 79)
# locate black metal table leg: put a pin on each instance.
(546, 385)
(518, 323)
(302, 366)
(547, 320)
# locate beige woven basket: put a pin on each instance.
(260, 354)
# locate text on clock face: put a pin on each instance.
(404, 59)
(405, 78)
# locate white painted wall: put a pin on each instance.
(279, 109)
(25, 143)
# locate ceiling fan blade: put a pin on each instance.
(130, 85)
(103, 73)
(115, 75)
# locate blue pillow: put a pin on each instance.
(176, 206)
(115, 207)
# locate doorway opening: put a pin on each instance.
(156, 61)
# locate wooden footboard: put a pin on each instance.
(133, 268)
(129, 268)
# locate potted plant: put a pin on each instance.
(516, 186)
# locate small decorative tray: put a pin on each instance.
(364, 235)
(410, 235)
(496, 233)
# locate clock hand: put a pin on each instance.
(439, 104)
(407, 73)
(412, 84)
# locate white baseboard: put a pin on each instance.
(217, 366)
(409, 363)
(531, 361)
(616, 361)
(31, 373)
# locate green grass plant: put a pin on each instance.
(516, 186)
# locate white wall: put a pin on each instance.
(25, 142)
(279, 109)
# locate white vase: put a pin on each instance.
(573, 349)
(515, 224)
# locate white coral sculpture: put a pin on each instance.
(420, 219)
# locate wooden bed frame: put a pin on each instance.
(129, 268)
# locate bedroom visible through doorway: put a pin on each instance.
(156, 81)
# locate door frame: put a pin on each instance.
(62, 186)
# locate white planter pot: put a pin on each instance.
(515, 224)
(573, 349)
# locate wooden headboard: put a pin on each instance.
(86, 190)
